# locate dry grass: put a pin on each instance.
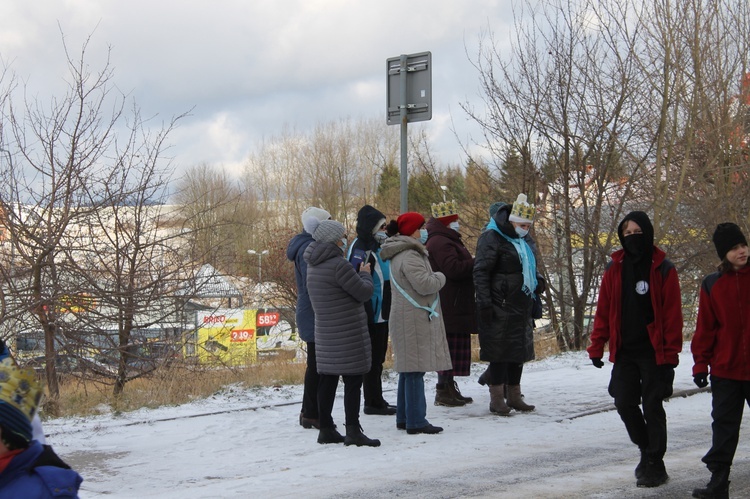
(182, 383)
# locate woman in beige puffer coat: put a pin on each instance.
(415, 324)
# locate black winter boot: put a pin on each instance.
(484, 378)
(354, 436)
(641, 464)
(445, 395)
(457, 393)
(718, 487)
(654, 474)
(330, 436)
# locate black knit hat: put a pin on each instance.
(727, 236)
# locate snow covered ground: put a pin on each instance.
(247, 443)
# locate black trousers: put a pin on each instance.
(372, 384)
(728, 402)
(505, 373)
(635, 382)
(310, 393)
(327, 396)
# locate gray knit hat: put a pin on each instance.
(312, 216)
(329, 231)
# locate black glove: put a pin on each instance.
(667, 376)
(597, 361)
(541, 285)
(485, 315)
(700, 380)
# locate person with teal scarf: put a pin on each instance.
(506, 283)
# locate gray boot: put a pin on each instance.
(515, 399)
(497, 400)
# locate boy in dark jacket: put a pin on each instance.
(720, 341)
(639, 313)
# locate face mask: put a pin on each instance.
(380, 237)
(521, 231)
(454, 226)
(343, 248)
(422, 236)
(635, 244)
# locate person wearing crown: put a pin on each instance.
(448, 255)
(27, 467)
(506, 283)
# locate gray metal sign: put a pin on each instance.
(414, 72)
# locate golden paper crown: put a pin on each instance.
(522, 211)
(19, 388)
(444, 209)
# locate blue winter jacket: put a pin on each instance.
(305, 314)
(37, 472)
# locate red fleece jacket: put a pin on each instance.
(666, 330)
(722, 333)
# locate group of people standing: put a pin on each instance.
(414, 280)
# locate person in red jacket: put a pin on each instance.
(721, 342)
(639, 313)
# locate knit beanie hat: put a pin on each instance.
(20, 394)
(727, 236)
(445, 212)
(522, 212)
(312, 216)
(409, 223)
(329, 231)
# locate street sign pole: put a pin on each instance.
(404, 135)
(408, 97)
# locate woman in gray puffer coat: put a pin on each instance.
(416, 323)
(342, 342)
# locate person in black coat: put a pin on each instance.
(506, 283)
(448, 255)
(370, 235)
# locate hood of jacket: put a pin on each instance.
(435, 227)
(501, 219)
(643, 221)
(368, 219)
(318, 252)
(398, 243)
(298, 242)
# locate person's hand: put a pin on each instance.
(541, 285)
(364, 267)
(667, 376)
(597, 361)
(700, 380)
(485, 315)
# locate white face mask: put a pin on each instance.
(521, 231)
(380, 237)
(454, 226)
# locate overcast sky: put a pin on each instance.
(249, 67)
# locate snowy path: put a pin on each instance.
(553, 452)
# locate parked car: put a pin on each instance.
(64, 364)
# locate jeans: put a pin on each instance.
(411, 405)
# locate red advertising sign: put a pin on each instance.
(264, 319)
(242, 335)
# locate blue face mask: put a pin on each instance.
(343, 240)
(422, 236)
(380, 237)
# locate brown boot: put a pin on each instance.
(515, 399)
(457, 393)
(497, 401)
(445, 395)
